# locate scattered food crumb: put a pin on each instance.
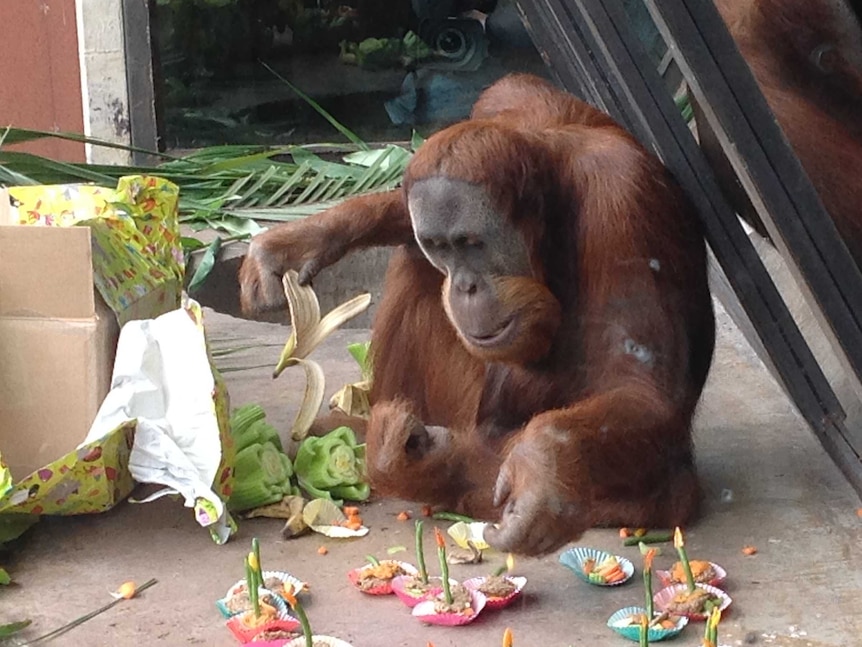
(859, 512)
(427, 511)
(127, 590)
(640, 532)
(625, 532)
(403, 515)
(322, 550)
(749, 550)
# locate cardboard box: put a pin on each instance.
(57, 344)
(105, 257)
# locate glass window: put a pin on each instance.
(381, 67)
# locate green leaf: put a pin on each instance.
(4, 577)
(191, 244)
(349, 134)
(13, 628)
(206, 265)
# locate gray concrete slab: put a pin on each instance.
(768, 483)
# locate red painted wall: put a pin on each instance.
(40, 79)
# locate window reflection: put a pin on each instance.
(381, 68)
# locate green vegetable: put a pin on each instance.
(452, 516)
(649, 538)
(248, 427)
(13, 628)
(262, 472)
(332, 466)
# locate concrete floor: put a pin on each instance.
(768, 483)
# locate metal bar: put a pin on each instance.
(139, 74)
(657, 122)
(771, 174)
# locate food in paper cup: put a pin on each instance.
(499, 590)
(275, 581)
(376, 579)
(273, 638)
(318, 641)
(238, 600)
(597, 566)
(466, 605)
(244, 626)
(626, 622)
(411, 591)
(677, 600)
(703, 572)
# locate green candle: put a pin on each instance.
(258, 569)
(444, 565)
(297, 607)
(650, 554)
(644, 632)
(251, 585)
(420, 553)
(679, 544)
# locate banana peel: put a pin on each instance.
(353, 399)
(308, 330)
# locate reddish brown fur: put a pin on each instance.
(819, 107)
(595, 430)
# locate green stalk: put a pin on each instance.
(420, 553)
(644, 634)
(251, 585)
(306, 625)
(444, 569)
(689, 578)
(258, 570)
(648, 588)
(79, 621)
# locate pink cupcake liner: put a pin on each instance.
(494, 602)
(382, 589)
(245, 634)
(664, 597)
(399, 585)
(424, 611)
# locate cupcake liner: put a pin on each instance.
(424, 611)
(494, 602)
(633, 632)
(286, 578)
(224, 608)
(329, 640)
(574, 559)
(245, 634)
(399, 589)
(381, 589)
(716, 581)
(664, 597)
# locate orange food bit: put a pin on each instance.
(648, 558)
(354, 524)
(427, 511)
(859, 512)
(350, 511)
(508, 639)
(127, 590)
(322, 550)
(749, 550)
(438, 536)
(625, 532)
(403, 516)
